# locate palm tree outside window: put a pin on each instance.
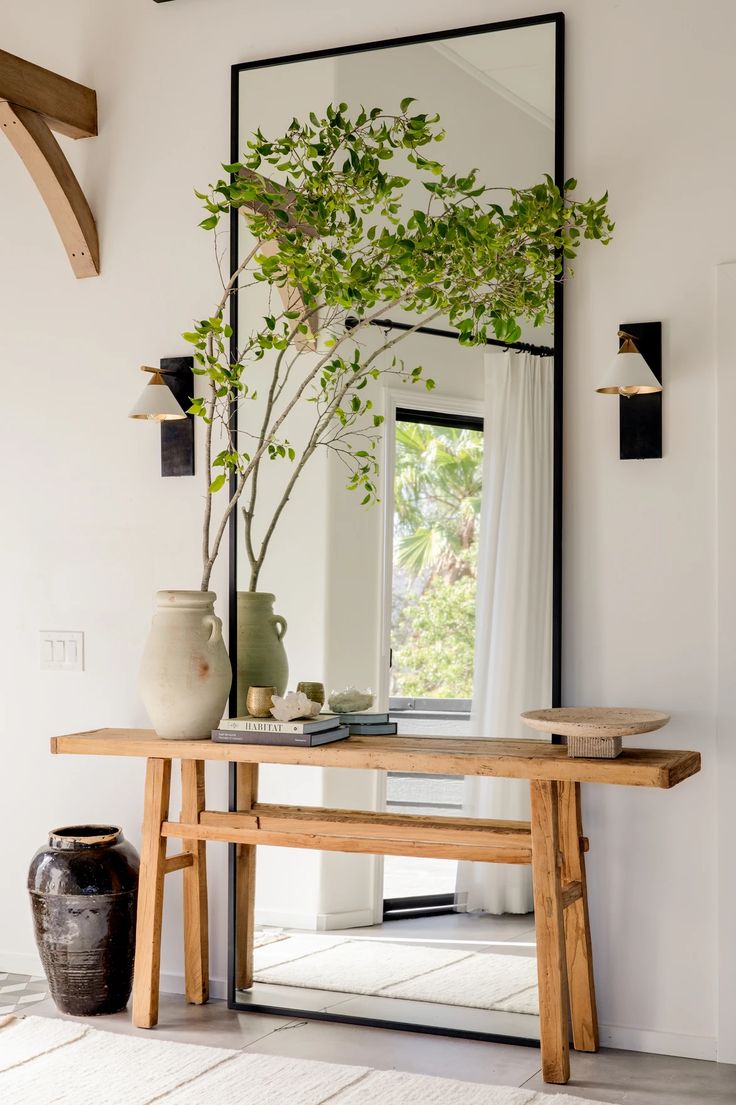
(437, 498)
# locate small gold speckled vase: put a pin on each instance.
(259, 701)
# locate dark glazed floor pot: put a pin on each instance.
(83, 889)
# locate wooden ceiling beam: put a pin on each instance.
(67, 107)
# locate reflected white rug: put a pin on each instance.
(477, 980)
(54, 1062)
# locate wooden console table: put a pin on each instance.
(552, 842)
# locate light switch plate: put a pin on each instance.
(62, 650)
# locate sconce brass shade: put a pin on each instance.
(157, 402)
(629, 374)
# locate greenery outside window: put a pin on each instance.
(437, 499)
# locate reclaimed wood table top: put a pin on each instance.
(509, 759)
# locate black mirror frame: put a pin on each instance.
(557, 19)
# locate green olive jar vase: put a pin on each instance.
(262, 660)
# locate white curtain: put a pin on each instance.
(513, 648)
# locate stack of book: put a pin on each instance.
(310, 732)
(369, 724)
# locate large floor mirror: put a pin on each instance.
(444, 597)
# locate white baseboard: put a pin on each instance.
(282, 919)
(174, 984)
(351, 919)
(315, 922)
(21, 963)
(658, 1043)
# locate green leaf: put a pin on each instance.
(485, 264)
(218, 482)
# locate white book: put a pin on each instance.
(249, 724)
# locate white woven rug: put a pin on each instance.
(55, 1062)
(477, 980)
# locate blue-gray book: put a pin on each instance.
(381, 729)
(363, 717)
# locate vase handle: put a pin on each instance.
(215, 625)
(280, 626)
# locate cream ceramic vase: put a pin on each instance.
(186, 674)
(262, 658)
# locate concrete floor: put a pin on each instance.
(619, 1077)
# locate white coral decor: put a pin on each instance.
(293, 705)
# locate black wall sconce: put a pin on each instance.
(166, 399)
(636, 377)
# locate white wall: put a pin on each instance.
(91, 530)
(639, 555)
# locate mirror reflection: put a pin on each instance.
(431, 584)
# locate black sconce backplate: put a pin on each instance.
(177, 436)
(640, 417)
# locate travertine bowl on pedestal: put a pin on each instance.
(595, 732)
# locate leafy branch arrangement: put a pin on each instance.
(346, 237)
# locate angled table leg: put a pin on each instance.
(549, 923)
(245, 882)
(151, 895)
(196, 924)
(577, 925)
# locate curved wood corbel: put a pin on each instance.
(41, 154)
(32, 102)
(291, 297)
